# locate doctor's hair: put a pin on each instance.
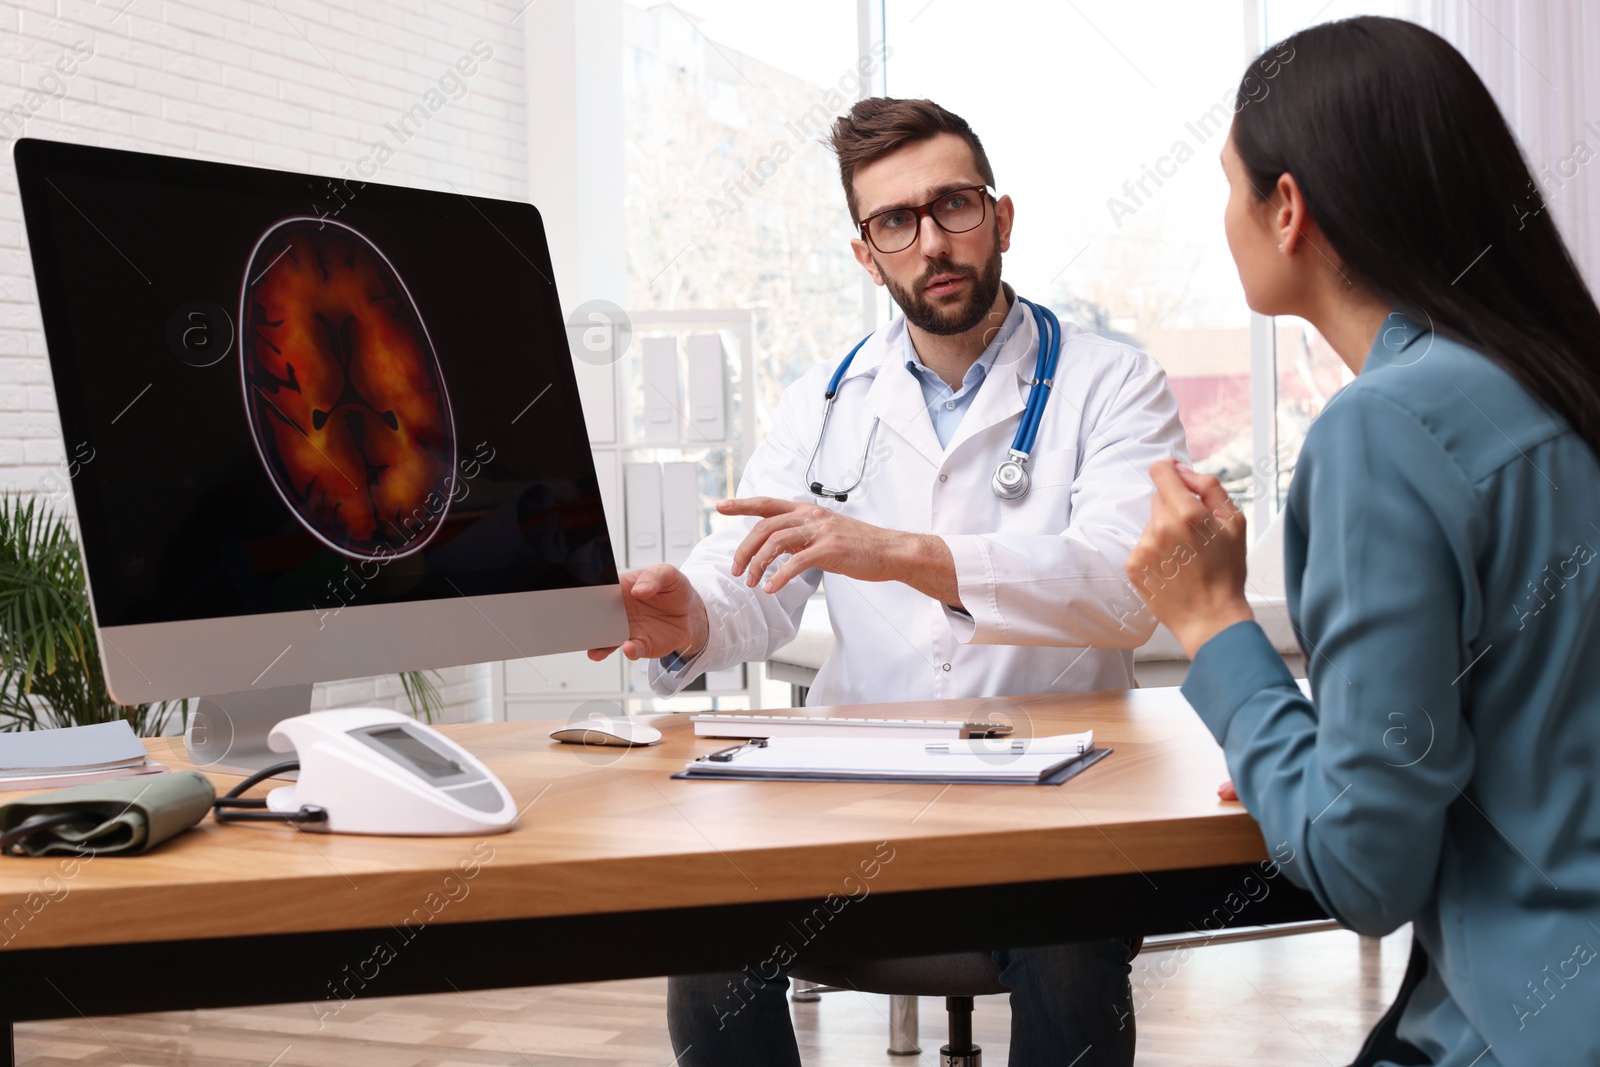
(1409, 168)
(879, 125)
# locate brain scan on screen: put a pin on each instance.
(343, 390)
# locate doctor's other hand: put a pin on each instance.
(1189, 564)
(817, 537)
(665, 615)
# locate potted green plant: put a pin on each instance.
(50, 671)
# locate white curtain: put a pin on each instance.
(1534, 55)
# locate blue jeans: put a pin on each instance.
(1070, 1004)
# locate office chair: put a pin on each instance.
(957, 977)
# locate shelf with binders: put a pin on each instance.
(668, 399)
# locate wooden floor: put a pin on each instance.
(1287, 1001)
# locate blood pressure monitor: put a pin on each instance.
(375, 771)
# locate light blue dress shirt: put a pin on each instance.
(1442, 559)
(946, 406)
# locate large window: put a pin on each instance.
(1104, 121)
(733, 208)
(1302, 367)
(732, 199)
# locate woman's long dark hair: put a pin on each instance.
(1408, 167)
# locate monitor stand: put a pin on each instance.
(228, 731)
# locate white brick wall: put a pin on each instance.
(305, 85)
(465, 691)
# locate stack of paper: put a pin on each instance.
(72, 755)
(996, 760)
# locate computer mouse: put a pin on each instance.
(603, 731)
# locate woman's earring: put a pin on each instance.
(1280, 246)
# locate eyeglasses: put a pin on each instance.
(957, 211)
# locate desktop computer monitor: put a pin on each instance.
(321, 429)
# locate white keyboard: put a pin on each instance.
(742, 725)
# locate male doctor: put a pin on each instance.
(936, 586)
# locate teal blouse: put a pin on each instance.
(1440, 544)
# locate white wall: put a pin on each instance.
(305, 85)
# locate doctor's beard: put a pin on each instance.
(943, 320)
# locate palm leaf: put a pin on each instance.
(422, 693)
(43, 605)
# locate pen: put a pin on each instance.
(1061, 744)
(725, 755)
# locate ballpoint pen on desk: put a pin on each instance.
(725, 755)
(1059, 744)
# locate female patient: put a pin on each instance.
(1441, 543)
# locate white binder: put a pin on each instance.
(605, 476)
(642, 485)
(663, 399)
(680, 511)
(725, 681)
(596, 380)
(708, 403)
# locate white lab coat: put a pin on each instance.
(1050, 607)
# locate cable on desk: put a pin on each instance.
(224, 808)
(11, 840)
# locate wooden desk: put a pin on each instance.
(614, 871)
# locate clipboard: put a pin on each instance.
(880, 760)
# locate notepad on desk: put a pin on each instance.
(878, 759)
(72, 755)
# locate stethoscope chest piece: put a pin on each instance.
(1010, 480)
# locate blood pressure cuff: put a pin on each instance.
(123, 816)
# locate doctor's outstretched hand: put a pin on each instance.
(1189, 564)
(818, 537)
(665, 615)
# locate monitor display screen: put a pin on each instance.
(410, 750)
(285, 393)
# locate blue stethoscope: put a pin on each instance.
(1010, 480)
